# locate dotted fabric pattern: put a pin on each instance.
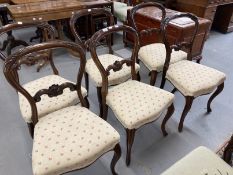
(200, 161)
(193, 79)
(47, 104)
(154, 56)
(115, 77)
(135, 103)
(69, 139)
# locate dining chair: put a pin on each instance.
(68, 138)
(134, 103)
(91, 70)
(11, 42)
(200, 161)
(190, 78)
(153, 55)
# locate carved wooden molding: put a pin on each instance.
(54, 90)
(117, 65)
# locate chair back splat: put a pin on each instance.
(14, 62)
(178, 45)
(117, 65)
(133, 15)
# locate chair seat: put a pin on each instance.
(201, 161)
(193, 79)
(154, 56)
(120, 10)
(47, 104)
(135, 103)
(70, 138)
(115, 77)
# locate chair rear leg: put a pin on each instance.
(189, 102)
(217, 92)
(153, 76)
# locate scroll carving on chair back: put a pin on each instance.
(133, 16)
(90, 12)
(13, 64)
(117, 65)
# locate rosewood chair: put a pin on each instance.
(191, 79)
(69, 138)
(200, 161)
(153, 55)
(41, 57)
(133, 103)
(91, 69)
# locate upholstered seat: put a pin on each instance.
(120, 10)
(70, 138)
(193, 79)
(154, 55)
(135, 103)
(47, 104)
(115, 77)
(201, 161)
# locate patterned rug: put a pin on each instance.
(220, 151)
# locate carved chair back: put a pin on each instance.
(117, 65)
(178, 45)
(90, 12)
(13, 64)
(48, 30)
(149, 31)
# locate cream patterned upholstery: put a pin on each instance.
(135, 103)
(120, 10)
(201, 161)
(154, 56)
(115, 77)
(47, 104)
(69, 139)
(193, 79)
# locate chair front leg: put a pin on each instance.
(116, 157)
(86, 81)
(189, 102)
(217, 92)
(99, 95)
(153, 77)
(163, 81)
(170, 111)
(130, 134)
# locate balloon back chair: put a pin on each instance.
(91, 69)
(41, 57)
(71, 137)
(133, 103)
(190, 78)
(153, 55)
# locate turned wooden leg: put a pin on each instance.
(86, 81)
(189, 102)
(99, 95)
(170, 111)
(116, 157)
(174, 90)
(153, 76)
(130, 139)
(218, 91)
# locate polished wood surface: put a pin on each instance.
(52, 10)
(179, 30)
(26, 1)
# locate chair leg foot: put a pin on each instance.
(130, 139)
(217, 92)
(189, 102)
(170, 111)
(153, 76)
(116, 157)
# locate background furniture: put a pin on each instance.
(179, 30)
(67, 138)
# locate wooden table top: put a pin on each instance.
(51, 9)
(26, 1)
